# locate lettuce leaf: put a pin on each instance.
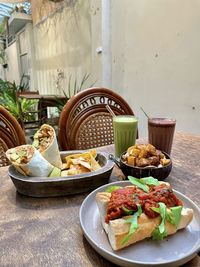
(173, 216)
(149, 181)
(134, 224)
(112, 188)
(160, 232)
(138, 183)
(143, 183)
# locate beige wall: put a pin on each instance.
(156, 57)
(155, 54)
(12, 72)
(67, 40)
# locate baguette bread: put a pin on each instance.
(117, 229)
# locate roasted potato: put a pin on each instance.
(145, 155)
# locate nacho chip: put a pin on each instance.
(80, 163)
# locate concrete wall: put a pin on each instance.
(155, 54)
(156, 57)
(66, 42)
(2, 73)
(12, 73)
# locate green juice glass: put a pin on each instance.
(125, 132)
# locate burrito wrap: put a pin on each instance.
(46, 142)
(36, 164)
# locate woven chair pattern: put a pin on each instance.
(11, 133)
(86, 137)
(85, 122)
(3, 159)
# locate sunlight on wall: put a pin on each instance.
(64, 41)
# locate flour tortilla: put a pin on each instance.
(51, 152)
(36, 164)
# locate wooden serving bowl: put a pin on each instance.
(159, 173)
(60, 186)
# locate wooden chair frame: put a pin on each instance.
(89, 104)
(11, 133)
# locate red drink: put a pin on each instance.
(161, 133)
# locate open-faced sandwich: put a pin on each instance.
(147, 208)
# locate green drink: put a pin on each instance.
(125, 132)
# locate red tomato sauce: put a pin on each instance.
(124, 201)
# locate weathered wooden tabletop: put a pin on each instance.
(46, 231)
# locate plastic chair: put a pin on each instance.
(11, 134)
(85, 122)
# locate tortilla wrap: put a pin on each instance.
(28, 161)
(45, 142)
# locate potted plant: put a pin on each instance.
(8, 99)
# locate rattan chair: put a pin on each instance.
(85, 122)
(11, 134)
(3, 159)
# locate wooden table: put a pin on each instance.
(46, 231)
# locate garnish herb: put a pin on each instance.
(127, 211)
(160, 232)
(149, 180)
(138, 183)
(173, 216)
(112, 188)
(143, 183)
(134, 224)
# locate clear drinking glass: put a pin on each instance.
(125, 132)
(161, 133)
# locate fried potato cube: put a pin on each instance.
(154, 160)
(129, 150)
(131, 160)
(151, 150)
(143, 154)
(164, 161)
(135, 152)
(142, 162)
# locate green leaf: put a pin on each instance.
(134, 224)
(160, 232)
(156, 235)
(150, 181)
(156, 209)
(176, 211)
(138, 183)
(163, 216)
(173, 215)
(112, 188)
(127, 211)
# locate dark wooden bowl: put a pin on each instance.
(60, 186)
(159, 173)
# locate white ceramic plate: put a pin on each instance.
(174, 250)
